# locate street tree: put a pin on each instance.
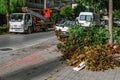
(12, 4)
(7, 12)
(9, 6)
(108, 4)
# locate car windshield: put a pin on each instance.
(62, 22)
(86, 18)
(16, 17)
(69, 23)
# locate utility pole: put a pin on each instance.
(44, 4)
(110, 21)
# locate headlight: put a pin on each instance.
(11, 26)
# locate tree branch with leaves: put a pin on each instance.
(9, 6)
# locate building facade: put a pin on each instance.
(53, 4)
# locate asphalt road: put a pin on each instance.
(17, 41)
(34, 62)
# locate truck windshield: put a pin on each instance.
(86, 18)
(16, 17)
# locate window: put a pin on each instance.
(27, 17)
(86, 18)
(16, 17)
(82, 17)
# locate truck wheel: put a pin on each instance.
(29, 31)
(45, 29)
(33, 28)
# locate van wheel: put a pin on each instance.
(29, 31)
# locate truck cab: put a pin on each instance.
(20, 22)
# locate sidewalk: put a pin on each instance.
(48, 65)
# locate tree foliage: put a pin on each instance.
(13, 4)
(117, 13)
(79, 9)
(2, 7)
(67, 11)
(116, 4)
(93, 5)
(96, 5)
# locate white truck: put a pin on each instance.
(28, 22)
(87, 18)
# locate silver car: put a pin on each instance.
(65, 26)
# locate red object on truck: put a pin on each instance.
(47, 12)
(24, 9)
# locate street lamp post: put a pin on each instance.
(44, 4)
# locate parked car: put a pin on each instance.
(64, 26)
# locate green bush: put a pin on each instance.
(90, 44)
(81, 36)
(89, 36)
(116, 34)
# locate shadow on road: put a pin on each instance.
(38, 70)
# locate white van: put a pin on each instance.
(88, 18)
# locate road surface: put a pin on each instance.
(17, 41)
(39, 55)
(23, 45)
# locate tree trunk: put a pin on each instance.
(7, 13)
(110, 21)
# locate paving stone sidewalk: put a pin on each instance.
(50, 66)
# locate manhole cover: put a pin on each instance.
(6, 49)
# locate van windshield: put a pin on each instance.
(86, 18)
(16, 17)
